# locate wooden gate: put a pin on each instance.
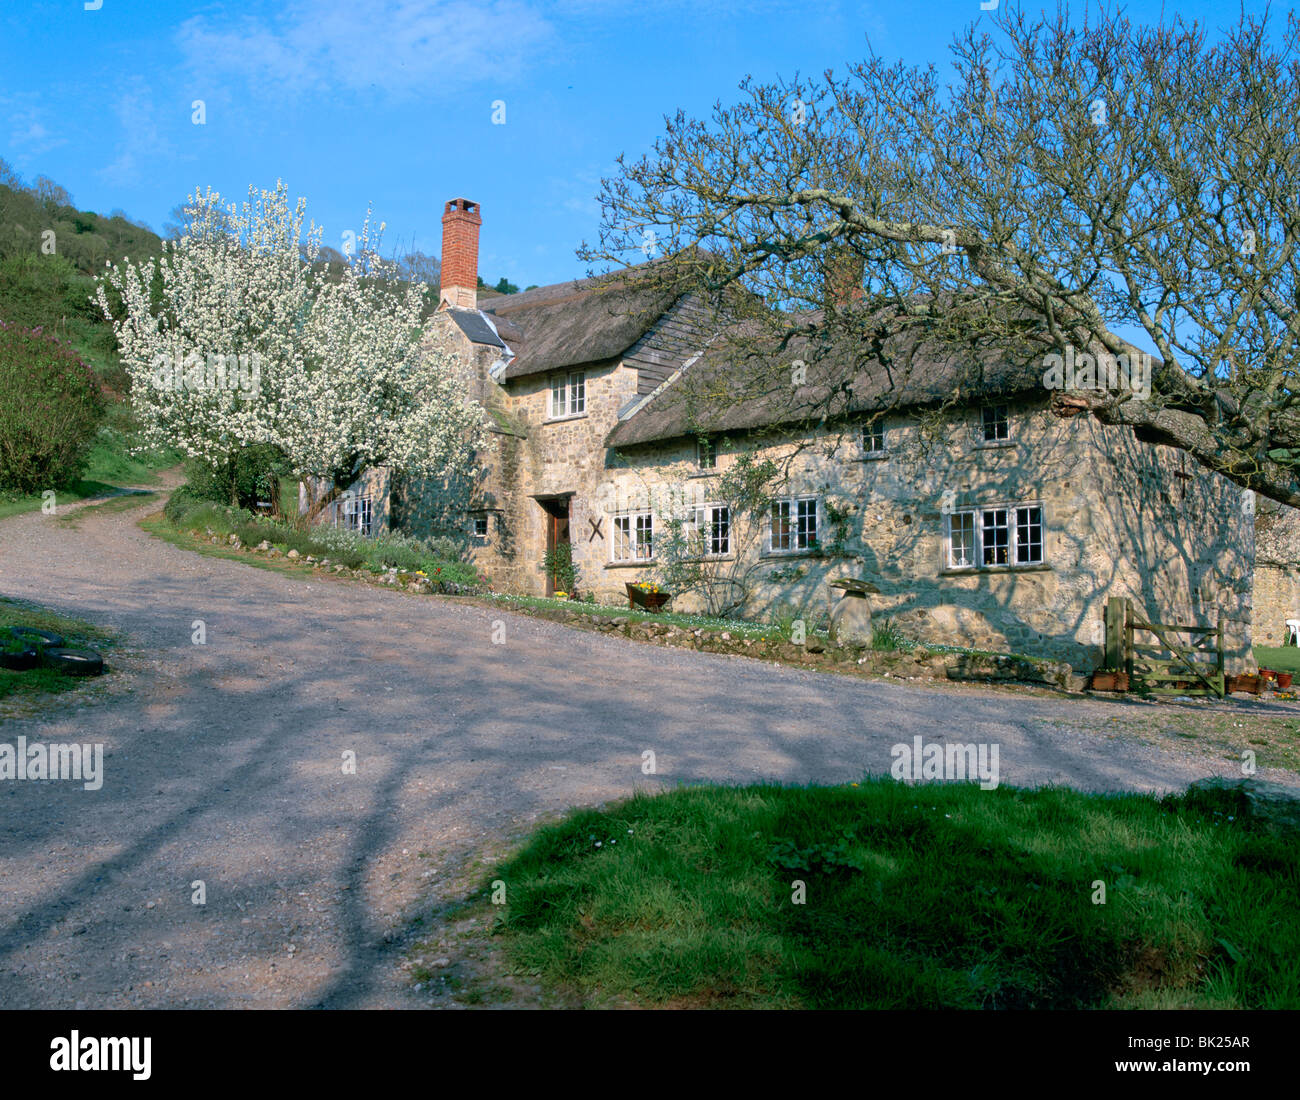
(1171, 667)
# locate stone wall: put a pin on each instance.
(1121, 519)
(1109, 531)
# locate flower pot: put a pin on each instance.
(1245, 682)
(1109, 681)
(651, 601)
(1284, 681)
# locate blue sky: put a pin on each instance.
(390, 102)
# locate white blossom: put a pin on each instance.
(346, 377)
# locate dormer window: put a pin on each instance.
(706, 453)
(873, 438)
(995, 424)
(568, 395)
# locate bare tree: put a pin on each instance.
(420, 267)
(1067, 182)
(50, 193)
(9, 176)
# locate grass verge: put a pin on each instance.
(78, 634)
(942, 896)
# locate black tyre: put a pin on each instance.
(18, 662)
(31, 635)
(75, 662)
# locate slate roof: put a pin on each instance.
(475, 326)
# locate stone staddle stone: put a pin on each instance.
(851, 620)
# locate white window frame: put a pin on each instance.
(870, 431)
(485, 520)
(626, 541)
(982, 428)
(975, 524)
(568, 395)
(703, 524)
(792, 504)
(357, 513)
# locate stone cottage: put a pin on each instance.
(625, 435)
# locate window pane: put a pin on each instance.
(781, 525)
(720, 531)
(996, 537)
(644, 536)
(708, 455)
(577, 393)
(873, 437)
(961, 540)
(994, 423)
(622, 537)
(558, 393)
(807, 524)
(1029, 535)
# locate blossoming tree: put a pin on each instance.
(236, 337)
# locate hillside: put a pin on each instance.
(47, 281)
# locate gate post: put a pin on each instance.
(1128, 636)
(1114, 633)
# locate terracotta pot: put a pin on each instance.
(1284, 681)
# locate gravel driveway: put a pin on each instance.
(224, 764)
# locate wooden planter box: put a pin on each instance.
(1245, 682)
(1110, 681)
(651, 601)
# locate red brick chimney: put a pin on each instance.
(460, 222)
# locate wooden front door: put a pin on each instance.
(557, 532)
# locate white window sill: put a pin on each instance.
(642, 564)
(873, 456)
(972, 570)
(561, 419)
(993, 444)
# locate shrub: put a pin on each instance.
(251, 475)
(50, 409)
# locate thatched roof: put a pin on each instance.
(747, 382)
(584, 321)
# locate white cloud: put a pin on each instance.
(29, 137)
(400, 47)
(141, 142)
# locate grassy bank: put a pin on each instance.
(186, 517)
(942, 896)
(77, 633)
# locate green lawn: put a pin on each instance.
(1284, 658)
(78, 634)
(939, 896)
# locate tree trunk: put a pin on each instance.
(317, 504)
